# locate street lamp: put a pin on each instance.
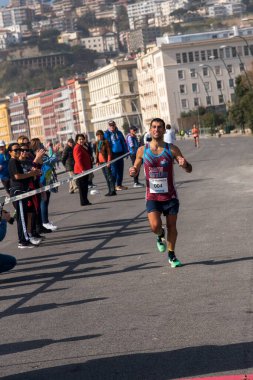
(241, 62)
(244, 39)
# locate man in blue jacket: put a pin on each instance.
(133, 145)
(4, 172)
(118, 147)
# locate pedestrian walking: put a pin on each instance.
(133, 145)
(103, 155)
(68, 162)
(82, 163)
(118, 147)
(170, 135)
(161, 195)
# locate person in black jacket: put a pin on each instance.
(68, 162)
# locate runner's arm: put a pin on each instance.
(134, 170)
(180, 159)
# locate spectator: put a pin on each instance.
(19, 184)
(104, 154)
(169, 136)
(133, 145)
(68, 162)
(4, 161)
(82, 163)
(7, 262)
(118, 147)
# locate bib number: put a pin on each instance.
(158, 185)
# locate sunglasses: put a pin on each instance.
(24, 150)
(16, 150)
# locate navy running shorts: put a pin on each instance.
(165, 207)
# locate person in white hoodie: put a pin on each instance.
(169, 136)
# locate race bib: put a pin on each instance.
(158, 185)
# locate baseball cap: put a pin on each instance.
(2, 143)
(111, 122)
(133, 128)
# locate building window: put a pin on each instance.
(219, 84)
(207, 86)
(229, 68)
(194, 87)
(217, 70)
(227, 52)
(215, 53)
(205, 71)
(190, 56)
(196, 102)
(209, 54)
(182, 89)
(203, 55)
(221, 99)
(208, 101)
(196, 56)
(193, 73)
(178, 58)
(241, 65)
(231, 83)
(180, 74)
(234, 52)
(184, 103)
(184, 57)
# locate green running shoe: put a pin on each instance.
(174, 262)
(161, 243)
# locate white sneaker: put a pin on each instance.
(138, 184)
(50, 226)
(34, 241)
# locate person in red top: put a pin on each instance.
(195, 133)
(161, 196)
(104, 154)
(82, 163)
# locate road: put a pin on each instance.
(96, 301)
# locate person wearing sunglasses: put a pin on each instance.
(32, 202)
(19, 184)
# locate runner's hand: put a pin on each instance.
(133, 171)
(182, 161)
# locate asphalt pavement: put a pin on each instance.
(96, 301)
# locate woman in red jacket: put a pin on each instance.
(82, 163)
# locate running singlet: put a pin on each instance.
(159, 175)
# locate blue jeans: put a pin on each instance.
(44, 207)
(117, 169)
(7, 262)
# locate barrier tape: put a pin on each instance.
(61, 182)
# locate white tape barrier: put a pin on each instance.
(61, 182)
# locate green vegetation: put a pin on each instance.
(241, 111)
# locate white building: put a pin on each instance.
(8, 38)
(114, 95)
(106, 43)
(226, 9)
(187, 71)
(138, 11)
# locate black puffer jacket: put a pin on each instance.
(68, 159)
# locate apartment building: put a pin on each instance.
(114, 95)
(5, 126)
(48, 115)
(18, 115)
(143, 10)
(35, 117)
(187, 71)
(15, 16)
(226, 9)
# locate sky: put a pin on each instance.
(3, 2)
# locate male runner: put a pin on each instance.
(161, 195)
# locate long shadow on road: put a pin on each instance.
(182, 363)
